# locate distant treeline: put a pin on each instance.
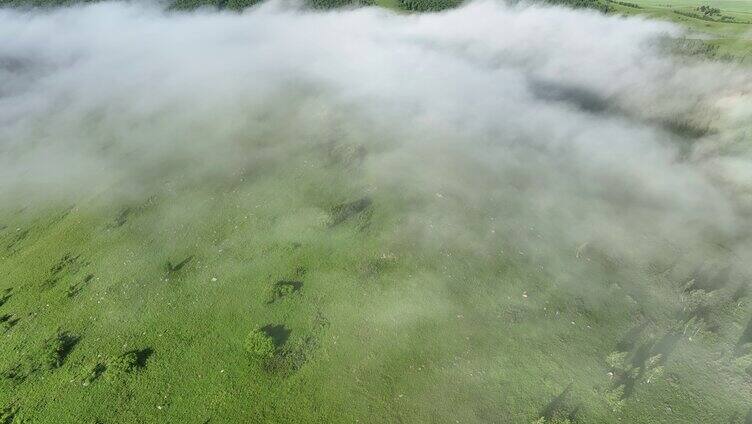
(427, 5)
(192, 4)
(222, 4)
(705, 13)
(242, 4)
(409, 5)
(601, 5)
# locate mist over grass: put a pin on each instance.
(575, 118)
(476, 153)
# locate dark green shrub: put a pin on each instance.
(8, 414)
(259, 344)
(7, 322)
(282, 289)
(709, 10)
(57, 348)
(291, 357)
(345, 211)
(119, 367)
(92, 373)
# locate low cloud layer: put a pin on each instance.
(587, 109)
(583, 122)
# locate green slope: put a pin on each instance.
(730, 38)
(136, 306)
(140, 311)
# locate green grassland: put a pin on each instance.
(306, 289)
(141, 310)
(731, 38)
(726, 34)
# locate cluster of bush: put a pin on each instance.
(708, 13)
(49, 356)
(117, 368)
(708, 10)
(279, 358)
(260, 345)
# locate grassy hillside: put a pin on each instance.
(523, 247)
(719, 29)
(728, 32)
(142, 311)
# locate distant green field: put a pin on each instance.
(731, 38)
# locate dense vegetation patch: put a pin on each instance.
(427, 5)
(601, 5)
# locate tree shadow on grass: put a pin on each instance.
(171, 268)
(279, 333)
(561, 407)
(6, 295)
(745, 338)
